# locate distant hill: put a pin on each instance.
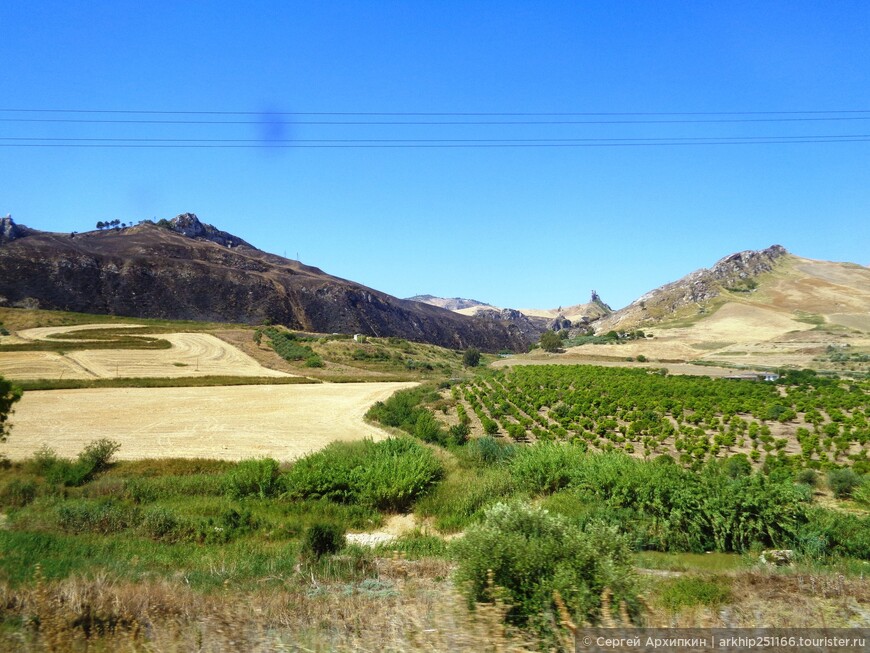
(186, 269)
(532, 321)
(766, 308)
(452, 304)
(769, 279)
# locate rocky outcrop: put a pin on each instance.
(185, 269)
(187, 224)
(9, 231)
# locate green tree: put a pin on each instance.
(550, 341)
(471, 357)
(9, 394)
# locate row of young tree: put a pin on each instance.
(827, 420)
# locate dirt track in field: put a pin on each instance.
(228, 423)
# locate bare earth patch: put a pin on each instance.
(228, 423)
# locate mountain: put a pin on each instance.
(452, 304)
(753, 309)
(532, 322)
(736, 273)
(185, 269)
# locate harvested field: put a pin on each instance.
(191, 354)
(228, 423)
(18, 365)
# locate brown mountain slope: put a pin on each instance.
(795, 288)
(185, 269)
(753, 309)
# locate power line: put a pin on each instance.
(444, 113)
(260, 141)
(429, 123)
(428, 145)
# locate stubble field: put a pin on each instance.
(227, 423)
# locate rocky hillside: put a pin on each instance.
(531, 322)
(736, 273)
(185, 269)
(451, 304)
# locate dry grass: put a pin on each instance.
(404, 605)
(409, 606)
(771, 598)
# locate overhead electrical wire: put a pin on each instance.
(411, 119)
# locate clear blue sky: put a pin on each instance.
(514, 226)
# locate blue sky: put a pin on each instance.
(514, 226)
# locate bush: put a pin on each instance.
(322, 539)
(96, 456)
(546, 467)
(489, 451)
(160, 523)
(458, 434)
(524, 554)
(550, 341)
(691, 591)
(257, 477)
(460, 498)
(843, 482)
(104, 516)
(471, 357)
(807, 477)
(402, 410)
(387, 475)
(829, 532)
(18, 493)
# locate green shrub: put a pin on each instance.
(403, 410)
(457, 434)
(322, 539)
(17, 493)
(489, 451)
(843, 482)
(525, 554)
(230, 524)
(829, 532)
(807, 477)
(861, 494)
(471, 357)
(160, 523)
(104, 516)
(93, 458)
(255, 477)
(97, 454)
(460, 498)
(546, 467)
(691, 591)
(428, 429)
(387, 475)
